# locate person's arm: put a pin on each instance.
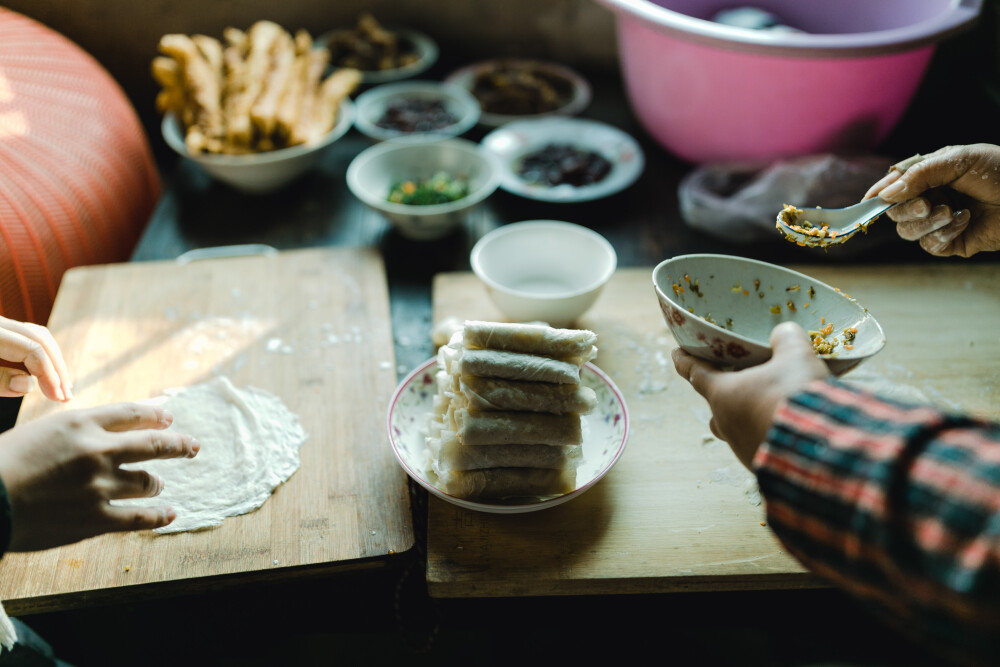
(899, 504)
(949, 201)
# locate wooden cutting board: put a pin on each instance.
(679, 512)
(310, 326)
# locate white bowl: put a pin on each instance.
(745, 299)
(425, 48)
(265, 171)
(543, 270)
(371, 105)
(577, 101)
(515, 141)
(371, 175)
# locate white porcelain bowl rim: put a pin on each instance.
(172, 135)
(488, 186)
(517, 227)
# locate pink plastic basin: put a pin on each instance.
(710, 92)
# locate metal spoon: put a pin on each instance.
(821, 227)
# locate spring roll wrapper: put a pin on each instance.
(515, 366)
(496, 394)
(574, 345)
(500, 483)
(448, 453)
(477, 428)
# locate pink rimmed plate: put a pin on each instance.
(605, 433)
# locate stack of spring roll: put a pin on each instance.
(507, 413)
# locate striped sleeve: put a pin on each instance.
(898, 504)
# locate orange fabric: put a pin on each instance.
(77, 177)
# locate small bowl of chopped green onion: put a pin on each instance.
(426, 190)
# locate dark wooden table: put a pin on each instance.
(644, 224)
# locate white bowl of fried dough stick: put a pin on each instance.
(255, 109)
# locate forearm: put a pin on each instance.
(897, 504)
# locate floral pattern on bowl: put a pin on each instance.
(722, 308)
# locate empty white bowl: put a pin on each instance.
(543, 270)
(265, 171)
(722, 309)
(372, 174)
(371, 106)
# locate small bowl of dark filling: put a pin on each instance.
(558, 164)
(565, 159)
(415, 110)
(512, 89)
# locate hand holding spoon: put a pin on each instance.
(822, 227)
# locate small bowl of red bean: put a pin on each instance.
(416, 111)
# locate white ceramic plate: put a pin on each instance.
(605, 432)
(513, 142)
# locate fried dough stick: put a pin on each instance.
(264, 111)
(319, 114)
(247, 78)
(307, 70)
(203, 94)
(172, 97)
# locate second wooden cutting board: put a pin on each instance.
(679, 512)
(310, 326)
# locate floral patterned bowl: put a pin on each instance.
(722, 308)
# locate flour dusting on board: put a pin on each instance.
(249, 445)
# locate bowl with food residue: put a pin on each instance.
(415, 111)
(382, 54)
(425, 189)
(565, 159)
(722, 308)
(510, 89)
(254, 143)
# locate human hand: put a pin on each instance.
(743, 402)
(61, 470)
(34, 347)
(950, 200)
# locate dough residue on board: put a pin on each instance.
(249, 445)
